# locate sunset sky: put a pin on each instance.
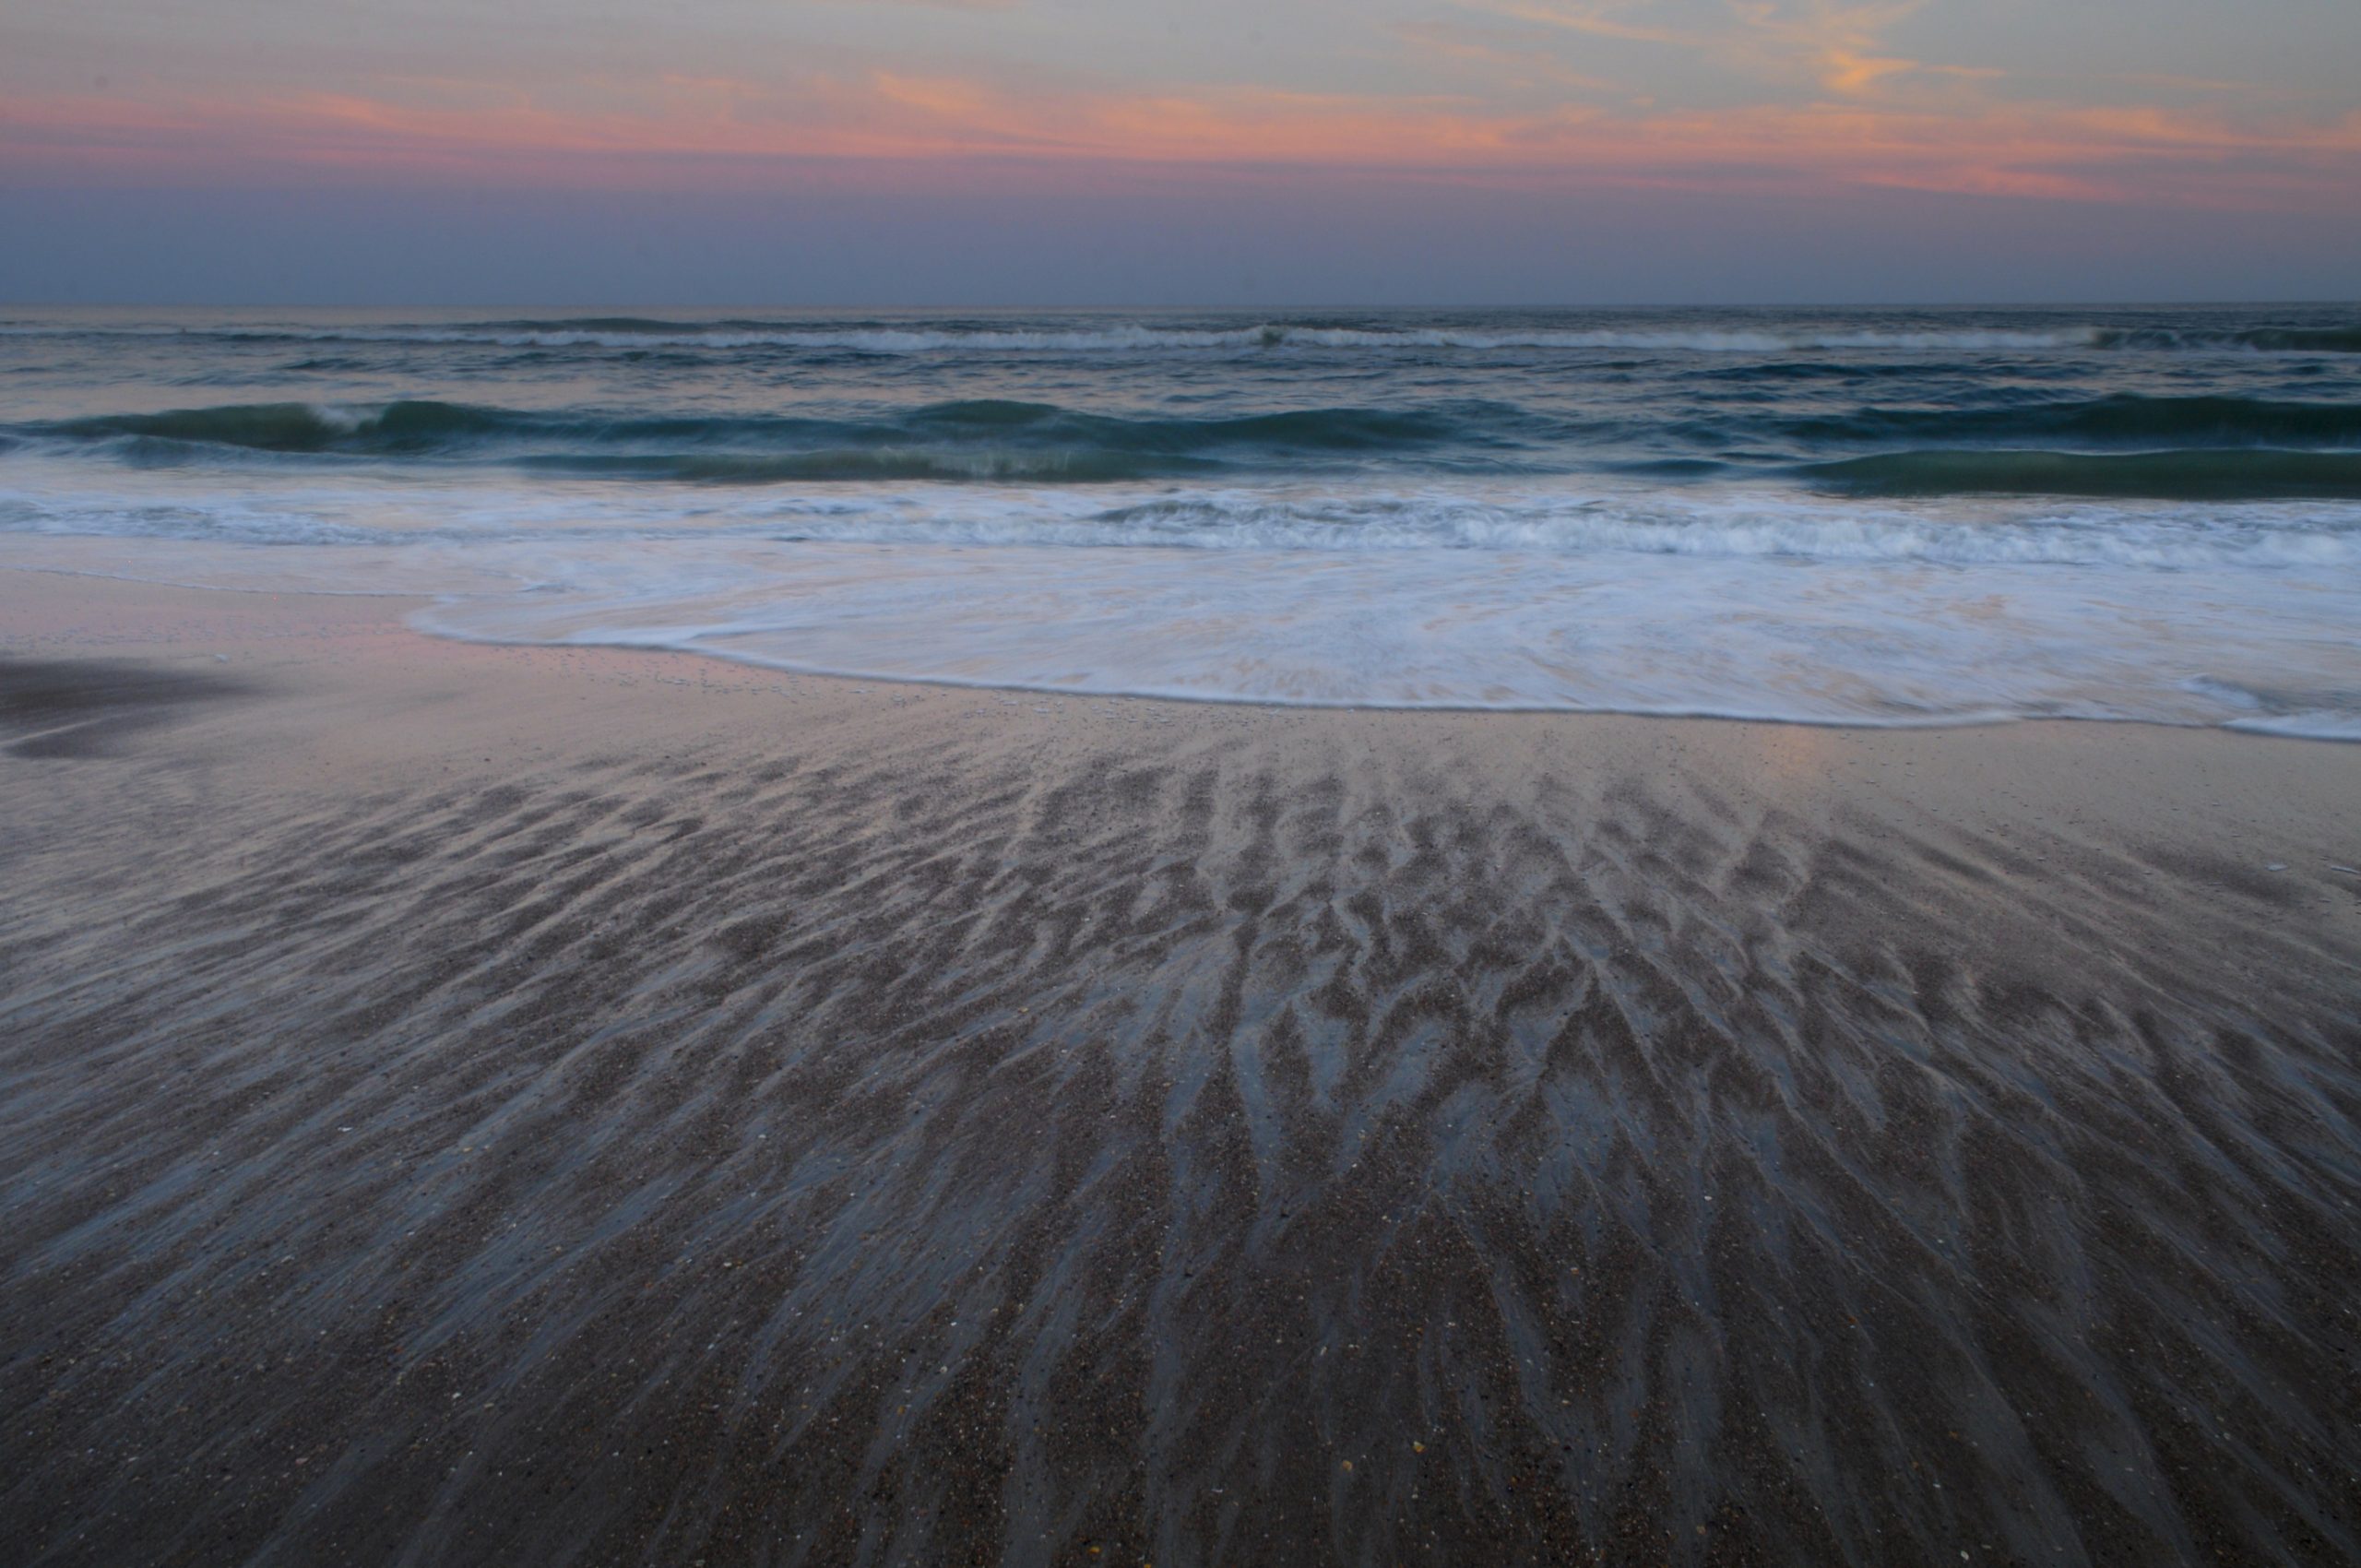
(1034, 151)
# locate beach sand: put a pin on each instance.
(479, 1105)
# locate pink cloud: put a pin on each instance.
(726, 133)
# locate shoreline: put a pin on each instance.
(490, 1103)
(415, 604)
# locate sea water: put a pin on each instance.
(1871, 516)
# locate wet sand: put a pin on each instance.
(467, 1105)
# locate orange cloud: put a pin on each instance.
(728, 131)
(1833, 45)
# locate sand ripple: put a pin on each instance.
(1256, 1138)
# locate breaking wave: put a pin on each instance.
(994, 439)
(2211, 448)
(2235, 474)
(1532, 518)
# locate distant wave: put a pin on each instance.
(644, 334)
(966, 440)
(635, 333)
(2258, 339)
(2120, 419)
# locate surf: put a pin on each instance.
(2230, 474)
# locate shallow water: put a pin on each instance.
(1862, 516)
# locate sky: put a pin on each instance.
(1034, 152)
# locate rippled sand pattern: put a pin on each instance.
(1253, 1138)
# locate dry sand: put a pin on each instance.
(466, 1105)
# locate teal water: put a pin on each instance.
(1856, 517)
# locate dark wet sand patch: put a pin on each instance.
(474, 1107)
(89, 708)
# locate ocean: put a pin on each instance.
(1855, 516)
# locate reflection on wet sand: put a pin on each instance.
(821, 1125)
